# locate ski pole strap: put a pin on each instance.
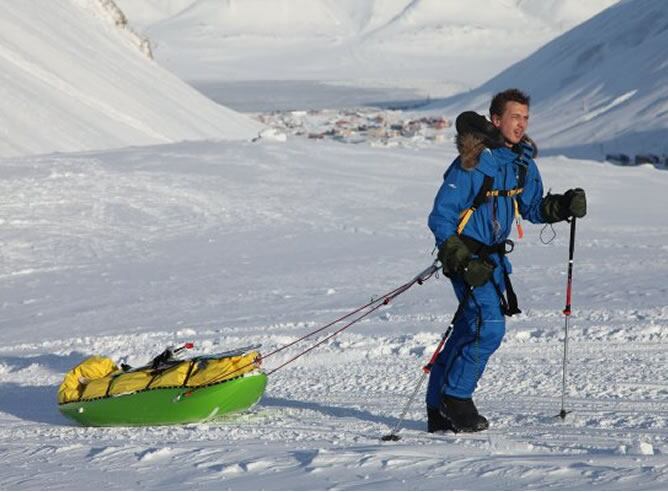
(509, 303)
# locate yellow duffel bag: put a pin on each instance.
(215, 370)
(98, 376)
(130, 382)
(75, 381)
(96, 388)
(174, 376)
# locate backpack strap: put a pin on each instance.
(522, 163)
(479, 199)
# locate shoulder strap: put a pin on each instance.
(486, 187)
(522, 162)
(479, 199)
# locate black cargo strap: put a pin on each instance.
(509, 306)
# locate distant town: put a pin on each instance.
(660, 162)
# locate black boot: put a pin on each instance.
(462, 415)
(436, 422)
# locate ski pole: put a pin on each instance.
(168, 353)
(365, 311)
(426, 369)
(567, 314)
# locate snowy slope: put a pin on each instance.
(224, 244)
(562, 14)
(72, 80)
(600, 88)
(384, 40)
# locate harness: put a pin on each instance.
(487, 192)
(509, 306)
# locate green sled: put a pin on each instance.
(169, 406)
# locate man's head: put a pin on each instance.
(509, 112)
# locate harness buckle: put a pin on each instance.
(508, 246)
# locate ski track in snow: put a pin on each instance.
(123, 252)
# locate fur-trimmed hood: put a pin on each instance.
(470, 146)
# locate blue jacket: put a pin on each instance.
(461, 185)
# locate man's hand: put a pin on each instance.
(454, 255)
(478, 272)
(456, 258)
(577, 202)
(556, 208)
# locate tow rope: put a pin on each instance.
(370, 307)
(363, 312)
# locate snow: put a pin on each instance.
(437, 46)
(225, 244)
(73, 80)
(226, 240)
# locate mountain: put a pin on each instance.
(381, 40)
(600, 88)
(74, 78)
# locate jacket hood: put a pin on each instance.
(471, 145)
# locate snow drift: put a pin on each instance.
(72, 80)
(600, 88)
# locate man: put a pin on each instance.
(491, 185)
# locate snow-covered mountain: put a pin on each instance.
(442, 40)
(600, 88)
(72, 79)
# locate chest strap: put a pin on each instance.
(485, 193)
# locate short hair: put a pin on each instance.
(498, 105)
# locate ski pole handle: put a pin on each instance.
(185, 346)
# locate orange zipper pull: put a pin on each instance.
(518, 222)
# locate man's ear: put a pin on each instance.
(496, 120)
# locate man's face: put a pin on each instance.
(513, 123)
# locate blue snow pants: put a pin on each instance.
(477, 333)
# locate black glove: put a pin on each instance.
(477, 272)
(472, 123)
(454, 255)
(577, 202)
(556, 208)
(456, 258)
